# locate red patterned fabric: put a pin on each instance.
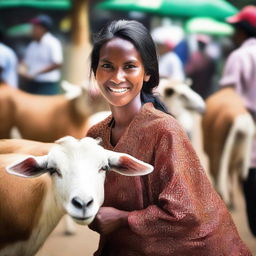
(174, 210)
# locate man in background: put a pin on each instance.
(170, 65)
(8, 63)
(43, 59)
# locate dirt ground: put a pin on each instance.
(84, 242)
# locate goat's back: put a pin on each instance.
(221, 110)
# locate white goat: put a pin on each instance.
(31, 208)
(182, 102)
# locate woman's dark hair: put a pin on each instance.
(139, 36)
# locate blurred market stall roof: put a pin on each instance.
(41, 4)
(208, 26)
(19, 30)
(218, 9)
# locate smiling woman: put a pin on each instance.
(174, 210)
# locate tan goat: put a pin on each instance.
(45, 118)
(228, 131)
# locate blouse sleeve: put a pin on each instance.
(185, 200)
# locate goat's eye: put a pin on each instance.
(168, 92)
(105, 168)
(52, 171)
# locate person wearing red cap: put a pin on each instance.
(240, 73)
(43, 59)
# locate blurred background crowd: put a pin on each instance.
(196, 38)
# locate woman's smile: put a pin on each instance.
(120, 73)
(117, 90)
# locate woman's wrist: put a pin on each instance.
(123, 217)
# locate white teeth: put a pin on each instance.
(121, 90)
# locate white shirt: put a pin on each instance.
(41, 54)
(170, 66)
(8, 62)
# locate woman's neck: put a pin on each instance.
(125, 114)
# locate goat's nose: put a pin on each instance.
(80, 204)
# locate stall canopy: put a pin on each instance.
(218, 9)
(41, 4)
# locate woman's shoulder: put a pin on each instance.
(99, 129)
(158, 121)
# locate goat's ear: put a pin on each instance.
(128, 165)
(28, 167)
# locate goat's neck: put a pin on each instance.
(52, 213)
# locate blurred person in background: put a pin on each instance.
(43, 59)
(240, 73)
(201, 68)
(170, 65)
(8, 63)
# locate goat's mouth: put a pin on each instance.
(82, 220)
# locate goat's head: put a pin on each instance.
(179, 97)
(77, 169)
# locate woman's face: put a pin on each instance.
(120, 72)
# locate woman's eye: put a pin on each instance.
(106, 65)
(129, 66)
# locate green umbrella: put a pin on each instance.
(19, 30)
(208, 26)
(219, 9)
(41, 4)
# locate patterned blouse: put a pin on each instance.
(174, 210)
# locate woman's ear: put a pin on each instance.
(146, 78)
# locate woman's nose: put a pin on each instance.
(118, 76)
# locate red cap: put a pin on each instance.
(248, 14)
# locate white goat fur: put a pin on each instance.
(182, 102)
(31, 208)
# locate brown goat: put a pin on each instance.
(228, 131)
(45, 118)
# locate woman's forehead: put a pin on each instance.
(118, 46)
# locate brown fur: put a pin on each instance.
(20, 206)
(221, 110)
(22, 146)
(42, 118)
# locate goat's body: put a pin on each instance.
(228, 131)
(28, 212)
(42, 118)
(33, 203)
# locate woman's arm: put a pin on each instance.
(108, 220)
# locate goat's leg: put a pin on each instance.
(223, 173)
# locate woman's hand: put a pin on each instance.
(109, 219)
